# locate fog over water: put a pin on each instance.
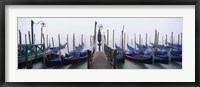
(85, 26)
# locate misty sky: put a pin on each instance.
(85, 26)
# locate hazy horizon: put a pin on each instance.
(85, 26)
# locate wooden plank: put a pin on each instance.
(100, 61)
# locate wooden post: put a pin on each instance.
(146, 39)
(95, 33)
(181, 38)
(20, 37)
(90, 40)
(41, 34)
(52, 42)
(104, 37)
(34, 38)
(44, 53)
(25, 39)
(131, 41)
(108, 37)
(124, 40)
(85, 42)
(172, 40)
(113, 39)
(74, 41)
(67, 43)
(127, 40)
(47, 40)
(155, 41)
(162, 41)
(140, 39)
(81, 38)
(149, 39)
(32, 31)
(29, 37)
(178, 41)
(59, 46)
(166, 40)
(135, 40)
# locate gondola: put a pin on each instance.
(53, 59)
(161, 57)
(175, 52)
(120, 54)
(56, 49)
(139, 56)
(176, 55)
(75, 56)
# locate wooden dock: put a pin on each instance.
(100, 61)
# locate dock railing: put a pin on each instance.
(90, 56)
(111, 55)
(29, 52)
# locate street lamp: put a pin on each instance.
(32, 32)
(99, 35)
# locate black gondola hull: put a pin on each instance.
(140, 60)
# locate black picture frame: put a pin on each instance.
(98, 2)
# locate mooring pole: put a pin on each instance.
(104, 38)
(172, 41)
(52, 41)
(178, 41)
(90, 40)
(127, 40)
(135, 40)
(146, 39)
(166, 40)
(67, 43)
(113, 39)
(124, 39)
(32, 31)
(29, 37)
(47, 40)
(108, 37)
(162, 41)
(44, 53)
(20, 37)
(59, 46)
(41, 35)
(34, 38)
(181, 38)
(74, 41)
(81, 38)
(95, 25)
(85, 42)
(131, 41)
(140, 39)
(158, 39)
(155, 40)
(25, 39)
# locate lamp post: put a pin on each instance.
(99, 35)
(32, 31)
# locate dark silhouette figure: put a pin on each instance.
(99, 39)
